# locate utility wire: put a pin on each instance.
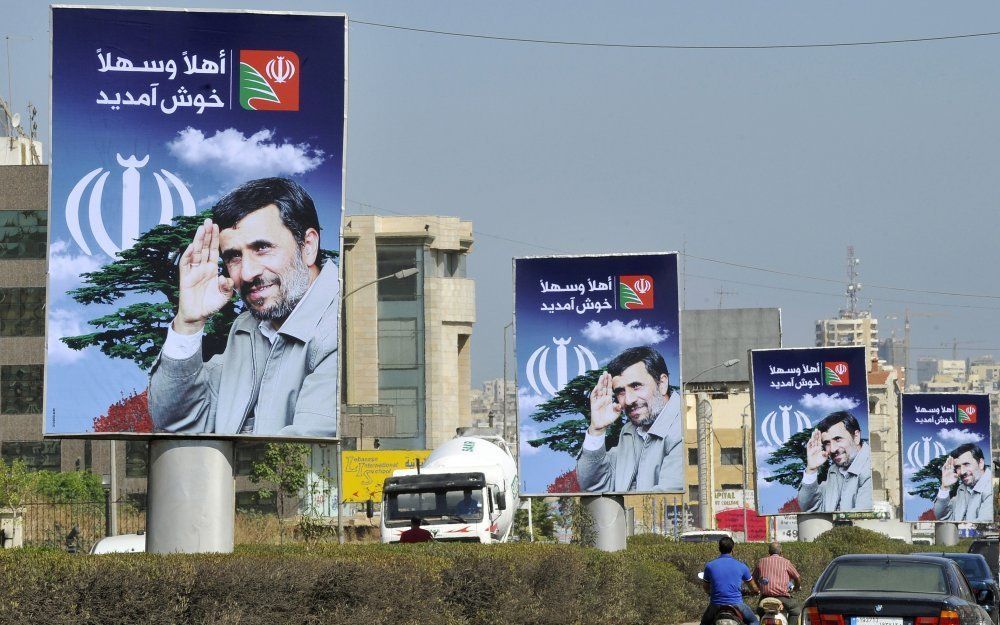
(643, 46)
(778, 272)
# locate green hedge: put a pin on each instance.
(653, 582)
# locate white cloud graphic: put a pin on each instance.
(953, 437)
(64, 323)
(825, 404)
(527, 403)
(762, 484)
(65, 266)
(234, 155)
(529, 433)
(620, 334)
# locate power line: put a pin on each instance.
(778, 272)
(643, 46)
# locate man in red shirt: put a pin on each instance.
(777, 577)
(416, 534)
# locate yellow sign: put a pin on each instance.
(365, 471)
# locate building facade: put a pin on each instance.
(407, 341)
(858, 328)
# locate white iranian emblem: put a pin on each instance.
(921, 452)
(130, 204)
(777, 430)
(280, 69)
(537, 369)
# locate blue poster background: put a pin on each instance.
(791, 394)
(931, 426)
(193, 127)
(593, 328)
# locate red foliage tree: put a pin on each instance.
(131, 414)
(565, 483)
(790, 506)
(928, 515)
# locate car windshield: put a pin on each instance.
(974, 568)
(436, 506)
(886, 576)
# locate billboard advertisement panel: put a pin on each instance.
(810, 414)
(365, 471)
(947, 472)
(598, 374)
(196, 198)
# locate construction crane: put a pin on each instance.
(954, 346)
(907, 313)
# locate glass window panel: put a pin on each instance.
(21, 389)
(404, 403)
(248, 454)
(22, 234)
(37, 455)
(248, 501)
(397, 343)
(22, 311)
(136, 454)
(731, 456)
(393, 258)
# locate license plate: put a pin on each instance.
(877, 620)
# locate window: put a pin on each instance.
(731, 456)
(136, 454)
(22, 234)
(878, 482)
(37, 455)
(693, 456)
(693, 493)
(393, 258)
(22, 311)
(21, 389)
(405, 407)
(247, 455)
(248, 501)
(397, 343)
(731, 486)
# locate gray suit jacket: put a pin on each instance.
(841, 492)
(974, 505)
(290, 387)
(653, 464)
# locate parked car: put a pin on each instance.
(704, 536)
(989, 548)
(980, 578)
(122, 543)
(889, 589)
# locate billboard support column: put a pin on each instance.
(812, 525)
(192, 497)
(945, 534)
(704, 416)
(607, 513)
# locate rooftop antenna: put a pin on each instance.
(853, 286)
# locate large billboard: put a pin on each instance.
(810, 414)
(598, 374)
(947, 471)
(196, 198)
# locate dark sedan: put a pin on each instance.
(893, 590)
(980, 577)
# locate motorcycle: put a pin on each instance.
(774, 612)
(727, 615)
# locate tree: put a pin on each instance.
(928, 479)
(131, 414)
(543, 522)
(136, 331)
(284, 470)
(569, 410)
(790, 459)
(565, 483)
(16, 482)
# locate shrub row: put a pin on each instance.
(652, 582)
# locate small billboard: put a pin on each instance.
(946, 465)
(598, 374)
(810, 413)
(196, 198)
(365, 471)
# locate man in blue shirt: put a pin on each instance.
(724, 577)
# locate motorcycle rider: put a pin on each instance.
(774, 573)
(724, 577)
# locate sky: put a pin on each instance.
(775, 158)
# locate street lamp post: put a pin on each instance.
(399, 275)
(703, 412)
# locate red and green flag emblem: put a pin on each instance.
(967, 413)
(635, 292)
(836, 373)
(269, 80)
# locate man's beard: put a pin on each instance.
(652, 411)
(292, 287)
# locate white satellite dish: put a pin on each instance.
(15, 120)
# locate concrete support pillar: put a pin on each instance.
(812, 525)
(945, 534)
(608, 515)
(192, 497)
